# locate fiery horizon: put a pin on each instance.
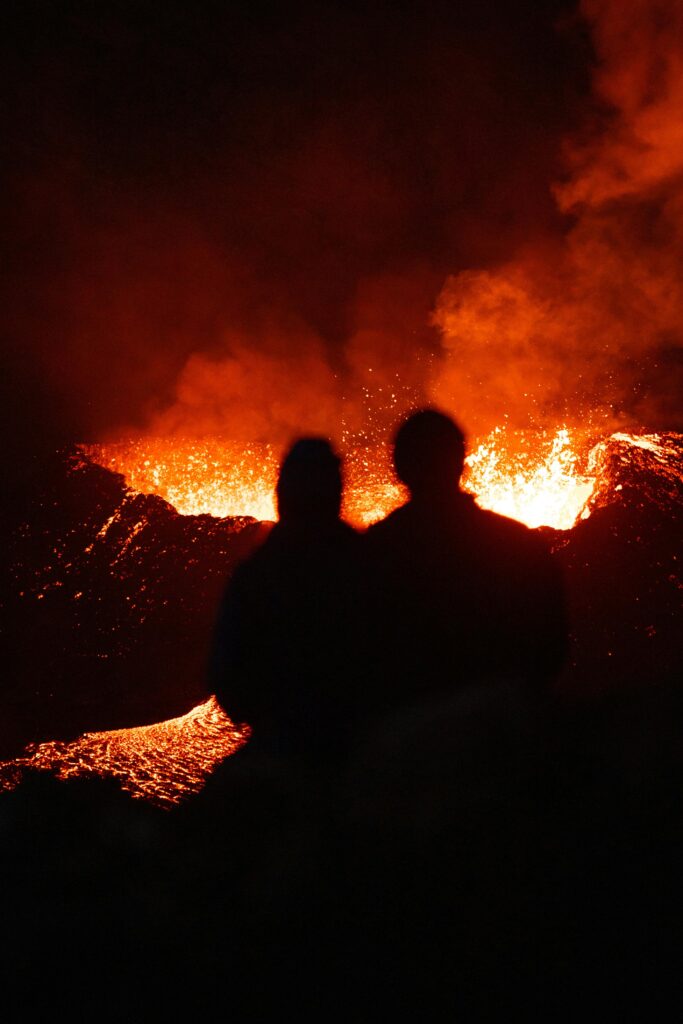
(571, 474)
(535, 478)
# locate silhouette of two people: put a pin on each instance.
(322, 629)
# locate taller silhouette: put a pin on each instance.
(287, 630)
(462, 594)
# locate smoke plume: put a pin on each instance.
(236, 219)
(240, 222)
(589, 328)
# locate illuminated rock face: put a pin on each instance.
(114, 593)
(623, 568)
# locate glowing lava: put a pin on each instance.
(161, 763)
(535, 480)
(538, 490)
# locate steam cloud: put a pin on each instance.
(255, 394)
(238, 220)
(590, 327)
(242, 224)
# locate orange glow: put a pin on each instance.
(542, 488)
(588, 323)
(161, 763)
(211, 477)
(540, 479)
(534, 480)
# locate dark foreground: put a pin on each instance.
(479, 857)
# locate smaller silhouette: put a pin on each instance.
(462, 594)
(287, 635)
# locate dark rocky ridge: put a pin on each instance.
(623, 568)
(110, 605)
(111, 594)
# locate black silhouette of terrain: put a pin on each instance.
(112, 594)
(110, 605)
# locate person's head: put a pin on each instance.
(309, 487)
(429, 453)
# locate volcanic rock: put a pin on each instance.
(110, 605)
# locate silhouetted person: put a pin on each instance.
(462, 594)
(287, 632)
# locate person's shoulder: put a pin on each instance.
(386, 527)
(395, 518)
(509, 532)
(347, 532)
(504, 524)
(347, 538)
(259, 554)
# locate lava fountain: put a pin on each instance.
(535, 478)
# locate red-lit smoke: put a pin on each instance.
(242, 225)
(589, 326)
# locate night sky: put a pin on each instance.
(288, 183)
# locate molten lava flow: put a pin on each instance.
(534, 480)
(161, 763)
(210, 477)
(539, 491)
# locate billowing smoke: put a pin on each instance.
(588, 328)
(279, 379)
(236, 218)
(261, 393)
(242, 223)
